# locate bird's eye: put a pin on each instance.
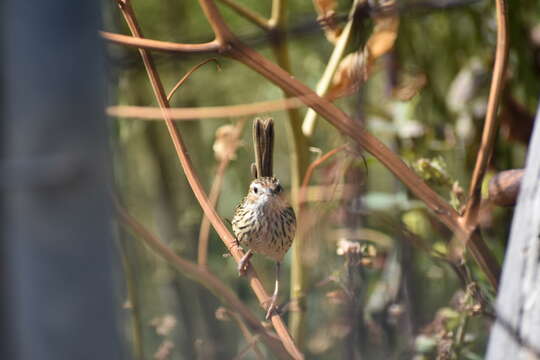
(255, 189)
(279, 188)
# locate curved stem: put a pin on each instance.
(248, 14)
(188, 74)
(149, 44)
(491, 123)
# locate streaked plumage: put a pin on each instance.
(264, 221)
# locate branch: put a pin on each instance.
(191, 113)
(248, 14)
(148, 44)
(491, 124)
(194, 182)
(185, 77)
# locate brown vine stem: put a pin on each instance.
(215, 191)
(191, 113)
(209, 47)
(193, 179)
(248, 14)
(311, 168)
(206, 279)
(491, 124)
(188, 74)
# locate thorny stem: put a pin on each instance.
(491, 124)
(222, 33)
(204, 278)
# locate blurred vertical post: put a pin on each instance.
(56, 238)
(516, 331)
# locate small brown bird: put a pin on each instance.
(264, 222)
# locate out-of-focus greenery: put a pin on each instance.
(397, 300)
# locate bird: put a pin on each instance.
(264, 222)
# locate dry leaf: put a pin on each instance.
(350, 74)
(383, 37)
(327, 18)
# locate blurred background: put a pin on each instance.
(377, 283)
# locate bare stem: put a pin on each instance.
(148, 44)
(188, 74)
(248, 14)
(491, 123)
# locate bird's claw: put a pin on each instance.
(271, 308)
(243, 267)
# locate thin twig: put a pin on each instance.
(248, 14)
(216, 112)
(149, 44)
(311, 168)
(491, 124)
(252, 341)
(193, 180)
(188, 74)
(204, 278)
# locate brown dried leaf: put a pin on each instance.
(327, 18)
(324, 6)
(350, 74)
(383, 37)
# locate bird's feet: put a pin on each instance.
(244, 263)
(272, 307)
